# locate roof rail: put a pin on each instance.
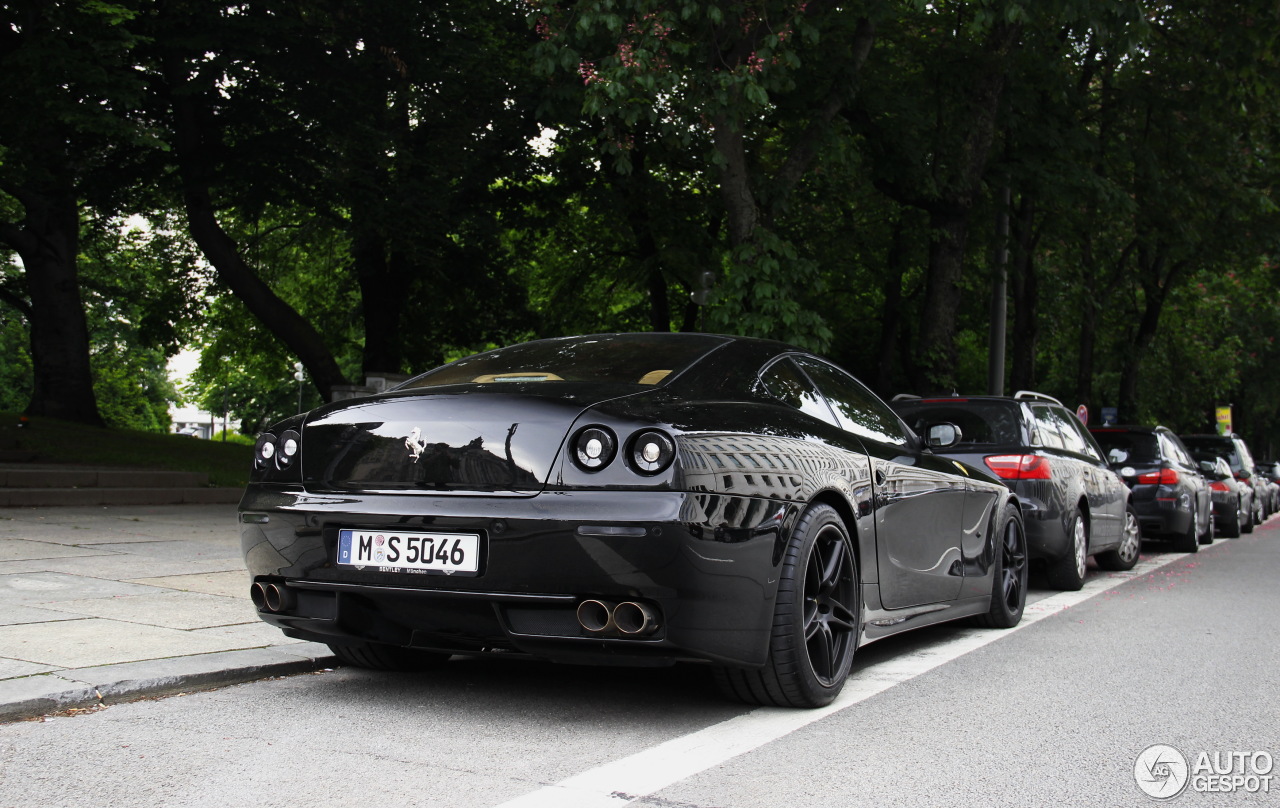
(1031, 394)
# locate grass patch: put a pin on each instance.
(53, 441)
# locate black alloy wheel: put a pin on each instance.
(1009, 573)
(816, 620)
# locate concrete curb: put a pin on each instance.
(41, 694)
(73, 497)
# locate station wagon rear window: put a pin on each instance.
(982, 423)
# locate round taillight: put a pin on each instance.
(288, 443)
(264, 449)
(594, 447)
(652, 451)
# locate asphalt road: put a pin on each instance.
(1054, 713)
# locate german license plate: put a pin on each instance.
(441, 553)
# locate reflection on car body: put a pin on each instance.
(1074, 504)
(626, 499)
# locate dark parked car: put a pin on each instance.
(1170, 496)
(1228, 506)
(626, 499)
(1232, 448)
(1271, 475)
(1074, 504)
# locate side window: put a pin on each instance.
(1047, 427)
(1170, 449)
(860, 411)
(1246, 459)
(1191, 461)
(785, 382)
(1074, 437)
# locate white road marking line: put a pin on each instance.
(625, 780)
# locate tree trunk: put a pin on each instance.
(47, 241)
(635, 198)
(735, 182)
(1026, 300)
(1155, 286)
(220, 250)
(382, 297)
(938, 356)
(891, 311)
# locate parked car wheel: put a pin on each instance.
(1209, 528)
(815, 623)
(1009, 590)
(1246, 523)
(377, 656)
(1067, 573)
(1126, 555)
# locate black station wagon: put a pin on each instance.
(1170, 495)
(1075, 506)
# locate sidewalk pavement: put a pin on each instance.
(107, 604)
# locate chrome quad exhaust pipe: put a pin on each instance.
(596, 616)
(635, 619)
(629, 618)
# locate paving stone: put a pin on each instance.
(229, 584)
(35, 588)
(12, 614)
(186, 550)
(252, 635)
(17, 550)
(121, 567)
(180, 610)
(93, 641)
(13, 668)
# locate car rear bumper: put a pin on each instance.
(703, 564)
(1162, 517)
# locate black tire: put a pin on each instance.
(1246, 524)
(1231, 527)
(1207, 536)
(816, 620)
(1188, 542)
(1067, 573)
(379, 657)
(1126, 555)
(1009, 571)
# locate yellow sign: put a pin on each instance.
(1224, 420)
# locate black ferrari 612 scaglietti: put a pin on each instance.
(627, 499)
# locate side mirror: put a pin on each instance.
(942, 436)
(1208, 469)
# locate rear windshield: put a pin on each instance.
(1129, 447)
(1219, 447)
(640, 359)
(982, 423)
